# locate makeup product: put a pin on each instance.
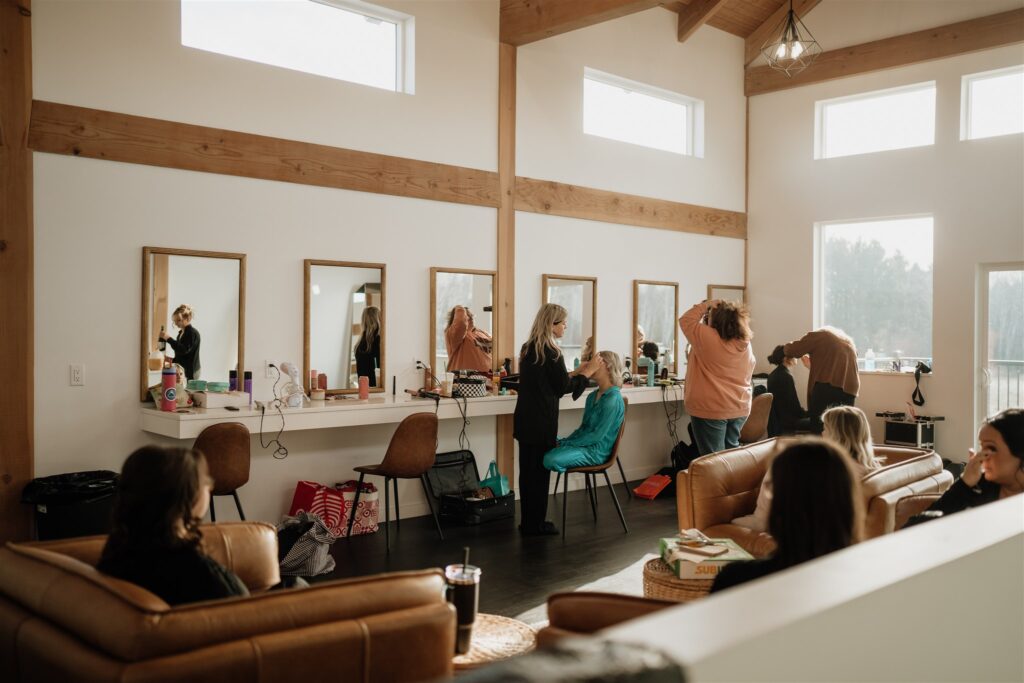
(449, 380)
(169, 393)
(364, 387)
(321, 381)
(318, 395)
(428, 378)
(247, 384)
(312, 380)
(496, 382)
(652, 369)
(232, 380)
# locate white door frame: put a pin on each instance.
(981, 375)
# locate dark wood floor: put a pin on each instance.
(519, 573)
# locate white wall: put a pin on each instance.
(127, 57)
(938, 602)
(973, 190)
(550, 142)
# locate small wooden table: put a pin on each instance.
(495, 638)
(661, 583)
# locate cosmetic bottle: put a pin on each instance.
(232, 380)
(247, 384)
(161, 343)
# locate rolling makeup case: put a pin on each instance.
(454, 482)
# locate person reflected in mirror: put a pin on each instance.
(162, 495)
(588, 350)
(367, 351)
(718, 390)
(543, 380)
(469, 347)
(831, 357)
(186, 344)
(641, 337)
(995, 470)
(817, 509)
(591, 444)
(648, 360)
(787, 413)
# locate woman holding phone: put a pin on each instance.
(543, 381)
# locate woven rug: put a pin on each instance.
(627, 581)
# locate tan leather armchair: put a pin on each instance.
(584, 613)
(720, 487)
(62, 620)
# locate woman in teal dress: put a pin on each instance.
(592, 443)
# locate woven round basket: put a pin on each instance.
(494, 638)
(661, 583)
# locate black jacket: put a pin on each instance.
(541, 385)
(960, 496)
(367, 360)
(177, 575)
(786, 408)
(735, 573)
(186, 351)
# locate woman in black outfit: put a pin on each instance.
(162, 495)
(786, 409)
(186, 346)
(543, 380)
(816, 509)
(368, 349)
(994, 472)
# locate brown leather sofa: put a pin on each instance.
(584, 613)
(720, 487)
(62, 620)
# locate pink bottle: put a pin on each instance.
(168, 394)
(364, 387)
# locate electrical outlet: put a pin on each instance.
(268, 371)
(77, 375)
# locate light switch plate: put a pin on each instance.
(77, 375)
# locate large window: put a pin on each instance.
(349, 40)
(875, 121)
(875, 283)
(1000, 338)
(641, 114)
(992, 103)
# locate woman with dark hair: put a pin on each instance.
(786, 409)
(995, 471)
(718, 391)
(816, 509)
(831, 356)
(162, 495)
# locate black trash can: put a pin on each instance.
(72, 504)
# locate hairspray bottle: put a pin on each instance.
(247, 384)
(233, 380)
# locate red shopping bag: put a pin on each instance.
(366, 514)
(322, 501)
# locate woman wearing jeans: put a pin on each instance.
(718, 390)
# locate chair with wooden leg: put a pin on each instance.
(226, 449)
(410, 454)
(591, 473)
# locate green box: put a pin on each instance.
(707, 569)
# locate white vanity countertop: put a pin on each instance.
(378, 409)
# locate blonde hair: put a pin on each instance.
(848, 427)
(184, 312)
(542, 338)
(371, 327)
(614, 363)
(588, 349)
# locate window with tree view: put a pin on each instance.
(875, 283)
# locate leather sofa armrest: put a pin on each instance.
(584, 613)
(249, 549)
(912, 505)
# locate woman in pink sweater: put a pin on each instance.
(718, 390)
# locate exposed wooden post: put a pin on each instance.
(16, 298)
(695, 15)
(506, 238)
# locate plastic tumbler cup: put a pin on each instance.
(464, 593)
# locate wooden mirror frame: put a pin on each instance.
(546, 277)
(742, 290)
(495, 362)
(636, 321)
(307, 268)
(147, 283)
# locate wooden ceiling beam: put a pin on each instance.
(526, 21)
(757, 39)
(983, 33)
(695, 15)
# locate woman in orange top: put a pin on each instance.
(718, 389)
(469, 348)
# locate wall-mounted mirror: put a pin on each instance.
(733, 293)
(462, 321)
(578, 296)
(193, 313)
(344, 323)
(655, 321)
